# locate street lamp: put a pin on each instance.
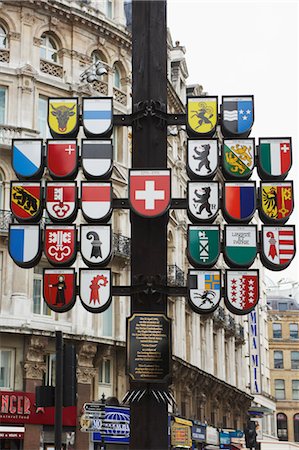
(93, 72)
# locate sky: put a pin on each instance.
(247, 47)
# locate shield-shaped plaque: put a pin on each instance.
(204, 290)
(150, 192)
(26, 201)
(241, 291)
(63, 117)
(203, 246)
(25, 244)
(278, 246)
(240, 245)
(239, 201)
(60, 244)
(96, 201)
(202, 115)
(274, 158)
(238, 158)
(276, 201)
(96, 244)
(97, 156)
(237, 115)
(95, 289)
(28, 158)
(62, 158)
(61, 201)
(97, 116)
(202, 158)
(203, 201)
(59, 289)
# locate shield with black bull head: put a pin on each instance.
(63, 117)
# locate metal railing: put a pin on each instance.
(175, 275)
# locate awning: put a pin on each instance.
(212, 447)
(12, 432)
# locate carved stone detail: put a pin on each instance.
(34, 371)
(85, 375)
(34, 364)
(28, 19)
(86, 371)
(37, 41)
(15, 36)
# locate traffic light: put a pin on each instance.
(250, 435)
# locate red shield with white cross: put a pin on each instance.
(150, 191)
(62, 158)
(242, 290)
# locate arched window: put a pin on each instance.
(116, 77)
(282, 427)
(296, 427)
(3, 37)
(1, 191)
(48, 48)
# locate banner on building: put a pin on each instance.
(254, 353)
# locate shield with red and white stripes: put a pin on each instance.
(96, 201)
(278, 246)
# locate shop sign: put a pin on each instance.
(199, 433)
(254, 351)
(225, 440)
(12, 433)
(212, 436)
(19, 407)
(181, 435)
(116, 426)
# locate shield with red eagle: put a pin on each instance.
(26, 201)
(62, 158)
(278, 246)
(95, 289)
(60, 244)
(61, 201)
(59, 289)
(276, 201)
(241, 290)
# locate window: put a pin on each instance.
(294, 331)
(50, 370)
(107, 321)
(39, 305)
(296, 427)
(43, 117)
(3, 91)
(7, 361)
(295, 389)
(105, 371)
(3, 38)
(1, 191)
(282, 306)
(282, 427)
(277, 330)
(294, 360)
(48, 48)
(116, 77)
(278, 359)
(279, 389)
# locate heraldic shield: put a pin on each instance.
(237, 116)
(239, 201)
(95, 289)
(26, 201)
(60, 244)
(61, 201)
(62, 159)
(63, 117)
(278, 246)
(202, 158)
(59, 289)
(97, 116)
(203, 201)
(204, 290)
(150, 192)
(96, 244)
(202, 116)
(241, 291)
(240, 245)
(274, 158)
(97, 156)
(27, 158)
(203, 245)
(24, 245)
(96, 201)
(276, 202)
(238, 158)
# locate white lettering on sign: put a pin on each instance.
(150, 195)
(254, 352)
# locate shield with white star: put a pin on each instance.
(276, 201)
(278, 246)
(203, 201)
(241, 291)
(204, 290)
(95, 289)
(237, 115)
(60, 244)
(202, 158)
(274, 158)
(150, 192)
(61, 201)
(238, 158)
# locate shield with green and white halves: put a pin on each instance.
(203, 245)
(238, 158)
(240, 245)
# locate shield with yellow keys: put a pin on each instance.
(276, 201)
(63, 117)
(202, 115)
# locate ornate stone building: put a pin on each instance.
(44, 47)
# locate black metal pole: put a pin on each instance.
(58, 390)
(149, 419)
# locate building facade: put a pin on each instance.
(44, 47)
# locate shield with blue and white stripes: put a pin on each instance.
(25, 244)
(97, 116)
(27, 158)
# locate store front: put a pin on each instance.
(181, 433)
(198, 435)
(212, 439)
(11, 438)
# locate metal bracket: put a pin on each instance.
(123, 203)
(151, 108)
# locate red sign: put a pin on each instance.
(62, 158)
(19, 407)
(11, 435)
